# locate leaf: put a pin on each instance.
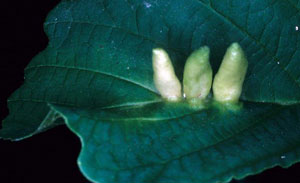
(97, 70)
(109, 41)
(97, 46)
(173, 143)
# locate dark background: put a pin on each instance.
(51, 156)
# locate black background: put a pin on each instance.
(51, 156)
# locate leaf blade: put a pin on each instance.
(226, 147)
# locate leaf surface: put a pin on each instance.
(181, 144)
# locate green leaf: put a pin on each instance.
(96, 73)
(102, 48)
(167, 142)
